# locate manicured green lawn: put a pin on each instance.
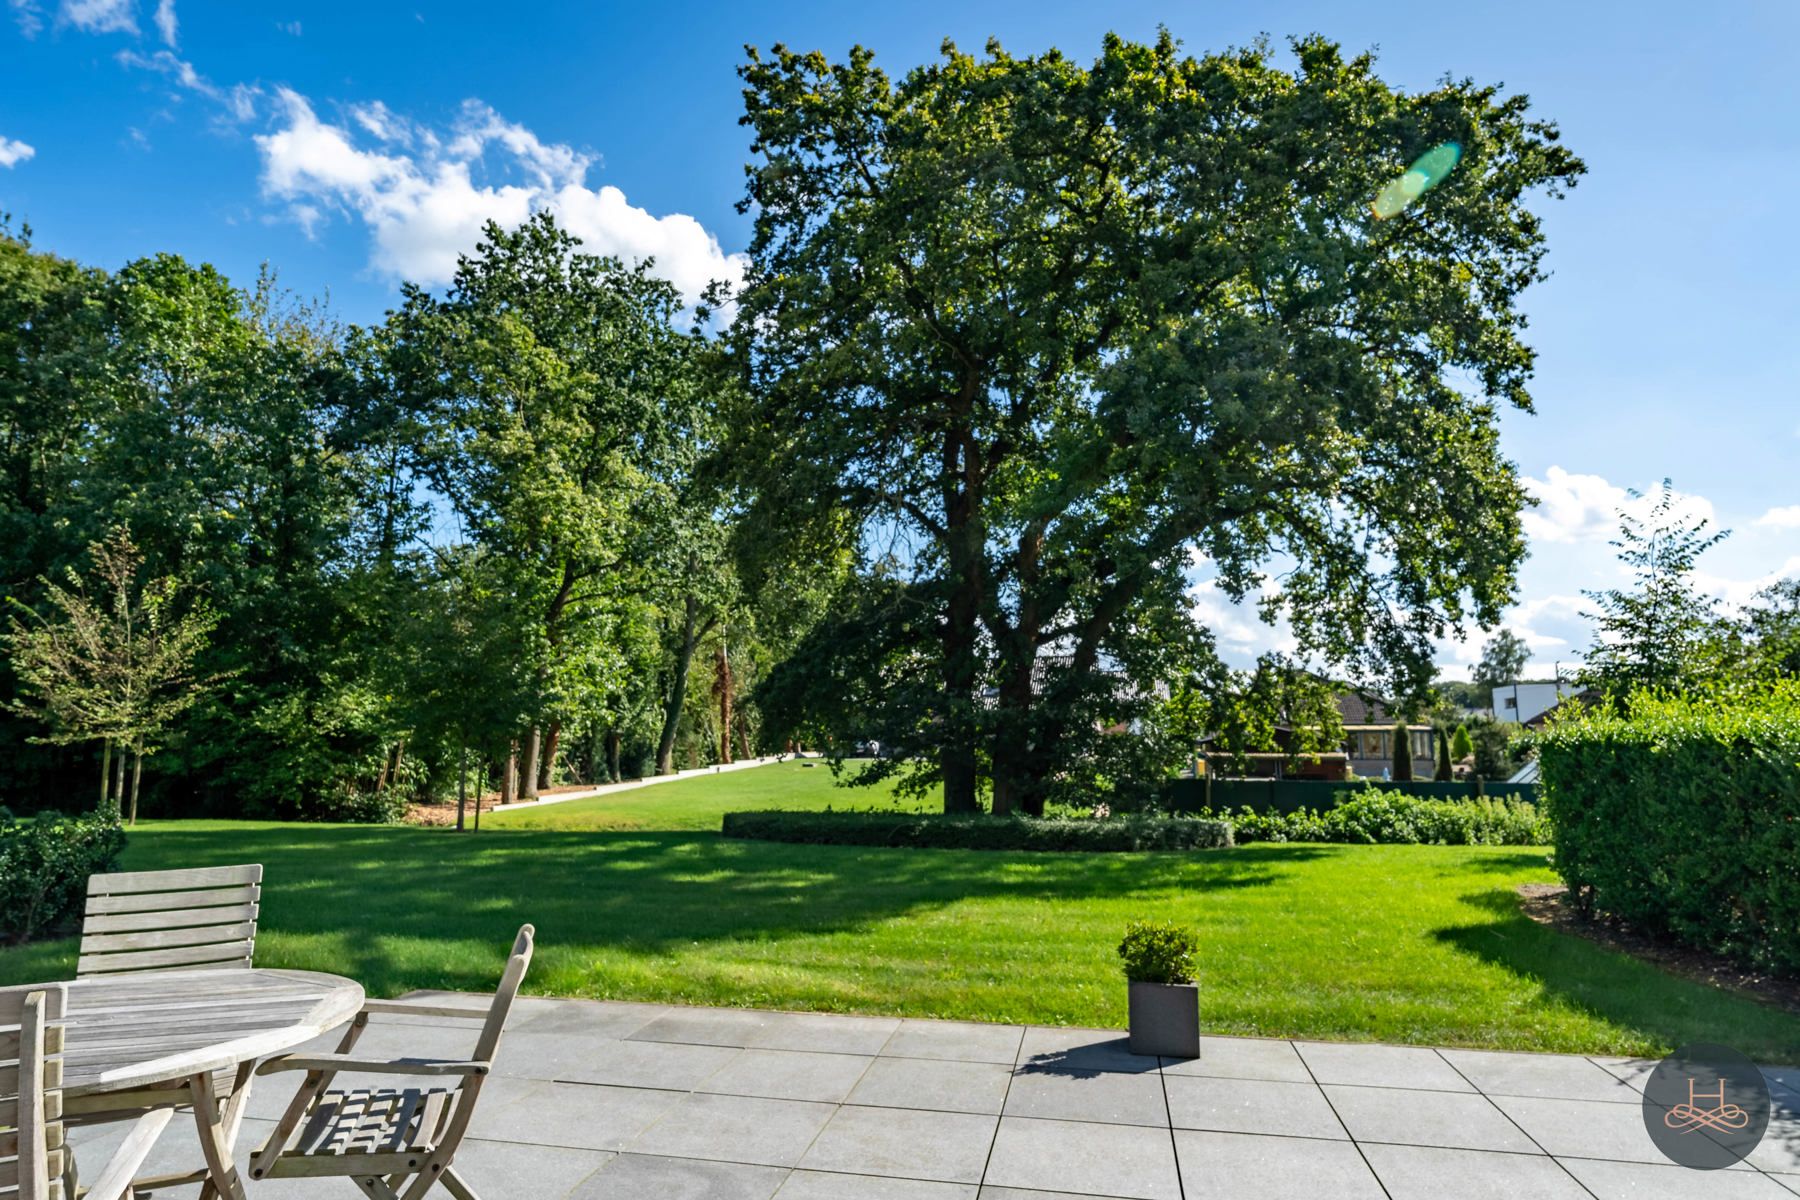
(698, 801)
(1396, 943)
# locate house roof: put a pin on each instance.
(1360, 708)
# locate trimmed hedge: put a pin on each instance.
(1683, 818)
(45, 862)
(976, 832)
(1374, 816)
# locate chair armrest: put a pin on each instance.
(115, 1180)
(422, 1008)
(346, 1062)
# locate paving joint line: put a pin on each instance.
(1525, 1133)
(1342, 1124)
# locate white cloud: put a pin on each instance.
(425, 197)
(100, 16)
(14, 152)
(238, 101)
(29, 16)
(166, 24)
(291, 28)
(1781, 518)
(1585, 508)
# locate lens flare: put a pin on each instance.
(1431, 169)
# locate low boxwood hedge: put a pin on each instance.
(1385, 817)
(977, 832)
(1681, 815)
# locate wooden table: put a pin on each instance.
(156, 1040)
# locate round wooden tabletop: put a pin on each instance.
(131, 1031)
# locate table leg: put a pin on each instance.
(217, 1128)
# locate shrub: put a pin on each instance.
(1681, 815)
(976, 832)
(1158, 952)
(1373, 815)
(45, 862)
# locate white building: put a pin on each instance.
(1522, 701)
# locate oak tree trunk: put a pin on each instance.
(684, 661)
(137, 774)
(722, 682)
(528, 771)
(547, 762)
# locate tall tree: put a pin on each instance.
(557, 399)
(1048, 333)
(1662, 632)
(114, 661)
(1502, 660)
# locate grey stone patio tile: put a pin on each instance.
(789, 1075)
(1083, 1050)
(940, 1084)
(1231, 1166)
(1003, 1193)
(704, 1026)
(597, 1018)
(1433, 1173)
(575, 1114)
(908, 1143)
(1452, 1119)
(963, 1041)
(1251, 1106)
(1381, 1066)
(1634, 1071)
(825, 1185)
(677, 1065)
(1558, 1076)
(745, 1129)
(1242, 1058)
(1063, 1094)
(1646, 1181)
(528, 1054)
(1131, 1161)
(1779, 1150)
(1586, 1129)
(824, 1032)
(385, 1040)
(641, 1176)
(512, 1169)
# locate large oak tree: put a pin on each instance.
(1051, 333)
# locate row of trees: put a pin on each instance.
(1021, 341)
(334, 567)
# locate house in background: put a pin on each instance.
(1521, 702)
(1369, 737)
(1368, 749)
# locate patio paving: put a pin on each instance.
(598, 1101)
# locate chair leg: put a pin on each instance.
(453, 1183)
(374, 1186)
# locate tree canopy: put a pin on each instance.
(1038, 336)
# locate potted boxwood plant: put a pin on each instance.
(1164, 999)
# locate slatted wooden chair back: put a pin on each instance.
(170, 920)
(31, 1132)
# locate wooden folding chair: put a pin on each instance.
(393, 1143)
(170, 920)
(35, 1164)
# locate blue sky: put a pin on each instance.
(349, 145)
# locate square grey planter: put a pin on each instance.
(1165, 1019)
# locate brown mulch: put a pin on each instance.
(1548, 904)
(445, 813)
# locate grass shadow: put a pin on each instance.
(1635, 995)
(391, 904)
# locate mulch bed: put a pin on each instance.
(1548, 904)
